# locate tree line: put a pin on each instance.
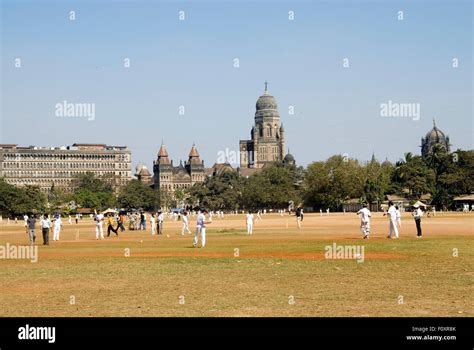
(322, 184)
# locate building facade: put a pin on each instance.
(267, 137)
(168, 177)
(58, 166)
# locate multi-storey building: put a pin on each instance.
(58, 166)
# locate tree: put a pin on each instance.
(136, 194)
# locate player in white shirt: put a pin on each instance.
(392, 218)
(185, 223)
(417, 215)
(57, 228)
(98, 226)
(201, 228)
(25, 219)
(249, 220)
(161, 218)
(152, 224)
(399, 217)
(365, 215)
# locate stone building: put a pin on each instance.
(267, 137)
(43, 166)
(169, 177)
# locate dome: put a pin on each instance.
(435, 135)
(144, 171)
(266, 102)
(289, 159)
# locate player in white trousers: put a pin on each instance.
(98, 226)
(185, 223)
(365, 215)
(57, 228)
(152, 224)
(249, 220)
(201, 228)
(392, 216)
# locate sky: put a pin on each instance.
(335, 63)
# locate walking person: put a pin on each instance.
(249, 221)
(299, 216)
(77, 219)
(392, 216)
(417, 214)
(365, 215)
(110, 225)
(31, 222)
(185, 223)
(201, 228)
(121, 220)
(142, 221)
(25, 219)
(70, 220)
(58, 224)
(45, 226)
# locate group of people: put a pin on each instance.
(394, 217)
(46, 223)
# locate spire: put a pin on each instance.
(434, 123)
(163, 155)
(266, 88)
(373, 157)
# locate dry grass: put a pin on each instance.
(275, 265)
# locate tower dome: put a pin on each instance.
(266, 101)
(434, 138)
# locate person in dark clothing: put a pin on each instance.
(417, 214)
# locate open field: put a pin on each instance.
(279, 271)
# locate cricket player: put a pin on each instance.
(45, 226)
(299, 216)
(399, 217)
(25, 219)
(185, 223)
(417, 214)
(161, 218)
(201, 228)
(249, 219)
(57, 228)
(392, 216)
(152, 224)
(365, 215)
(98, 226)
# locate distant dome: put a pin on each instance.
(289, 159)
(138, 168)
(434, 138)
(144, 171)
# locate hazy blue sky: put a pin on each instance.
(191, 63)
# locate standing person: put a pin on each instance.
(77, 219)
(98, 225)
(327, 211)
(110, 225)
(185, 223)
(57, 227)
(25, 219)
(392, 216)
(365, 215)
(258, 216)
(161, 218)
(299, 216)
(417, 214)
(121, 220)
(399, 217)
(45, 226)
(70, 220)
(201, 228)
(152, 224)
(31, 221)
(249, 220)
(142, 221)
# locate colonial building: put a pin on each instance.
(267, 137)
(58, 166)
(169, 177)
(434, 138)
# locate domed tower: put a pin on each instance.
(195, 166)
(162, 169)
(289, 160)
(434, 138)
(267, 142)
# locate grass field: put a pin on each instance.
(278, 271)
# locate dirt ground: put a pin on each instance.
(278, 271)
